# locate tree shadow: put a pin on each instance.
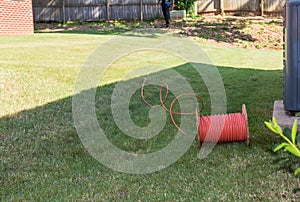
(246, 31)
(286, 162)
(227, 30)
(53, 121)
(43, 141)
(98, 27)
(79, 27)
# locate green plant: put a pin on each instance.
(261, 31)
(259, 46)
(187, 5)
(291, 137)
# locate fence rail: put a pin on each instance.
(63, 10)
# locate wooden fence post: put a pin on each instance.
(262, 7)
(253, 6)
(157, 8)
(141, 10)
(222, 6)
(107, 9)
(64, 11)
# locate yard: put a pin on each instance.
(43, 159)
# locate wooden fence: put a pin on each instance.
(63, 10)
(255, 6)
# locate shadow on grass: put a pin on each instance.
(40, 147)
(97, 28)
(136, 32)
(228, 30)
(286, 162)
(256, 32)
(255, 88)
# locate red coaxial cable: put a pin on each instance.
(216, 128)
(233, 128)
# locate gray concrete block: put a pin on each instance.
(284, 120)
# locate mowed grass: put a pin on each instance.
(43, 159)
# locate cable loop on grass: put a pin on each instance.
(162, 103)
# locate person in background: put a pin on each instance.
(165, 6)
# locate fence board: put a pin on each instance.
(206, 6)
(274, 6)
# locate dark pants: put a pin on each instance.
(166, 13)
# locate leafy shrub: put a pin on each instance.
(291, 137)
(187, 5)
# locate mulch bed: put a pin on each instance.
(242, 32)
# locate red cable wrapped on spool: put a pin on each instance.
(216, 128)
(224, 128)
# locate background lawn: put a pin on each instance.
(42, 158)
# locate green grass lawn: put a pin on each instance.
(43, 159)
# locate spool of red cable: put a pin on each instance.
(215, 128)
(224, 128)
